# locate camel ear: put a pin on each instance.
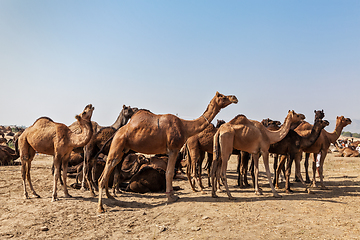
(217, 93)
(124, 106)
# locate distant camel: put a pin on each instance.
(56, 139)
(149, 133)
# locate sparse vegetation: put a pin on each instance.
(350, 134)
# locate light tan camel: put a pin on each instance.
(321, 145)
(56, 139)
(249, 136)
(149, 133)
(346, 152)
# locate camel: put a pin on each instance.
(346, 152)
(321, 146)
(56, 139)
(149, 133)
(7, 155)
(250, 136)
(290, 148)
(196, 147)
(99, 143)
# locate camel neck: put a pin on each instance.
(335, 134)
(120, 121)
(312, 137)
(81, 139)
(278, 135)
(193, 127)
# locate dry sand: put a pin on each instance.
(326, 214)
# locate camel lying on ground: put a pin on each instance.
(7, 155)
(149, 133)
(56, 139)
(346, 152)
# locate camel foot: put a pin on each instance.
(214, 195)
(297, 180)
(109, 196)
(26, 196)
(277, 187)
(307, 181)
(276, 195)
(203, 192)
(68, 196)
(101, 209)
(324, 188)
(54, 199)
(289, 191)
(83, 189)
(232, 198)
(36, 195)
(258, 192)
(171, 198)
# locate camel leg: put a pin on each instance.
(28, 167)
(189, 171)
(23, 174)
(64, 176)
(84, 177)
(238, 167)
(298, 172)
(267, 169)
(245, 157)
(321, 170)
(171, 197)
(214, 170)
(256, 174)
(199, 166)
(306, 165)
(288, 173)
(278, 170)
(57, 163)
(223, 175)
(104, 178)
(210, 158)
(314, 171)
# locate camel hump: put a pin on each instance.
(239, 119)
(44, 118)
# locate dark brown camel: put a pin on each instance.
(290, 148)
(158, 134)
(100, 143)
(321, 146)
(7, 155)
(56, 139)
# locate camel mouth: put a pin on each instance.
(326, 122)
(233, 99)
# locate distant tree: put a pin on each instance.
(346, 134)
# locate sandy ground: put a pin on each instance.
(326, 214)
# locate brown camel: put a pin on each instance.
(250, 136)
(290, 148)
(196, 147)
(346, 152)
(321, 146)
(100, 136)
(56, 139)
(158, 134)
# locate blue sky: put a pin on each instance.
(172, 57)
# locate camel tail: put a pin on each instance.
(188, 159)
(216, 153)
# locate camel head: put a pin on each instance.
(86, 114)
(342, 121)
(319, 114)
(129, 111)
(321, 123)
(295, 117)
(219, 123)
(224, 101)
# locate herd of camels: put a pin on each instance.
(149, 133)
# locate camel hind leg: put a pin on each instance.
(268, 174)
(170, 175)
(26, 159)
(65, 161)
